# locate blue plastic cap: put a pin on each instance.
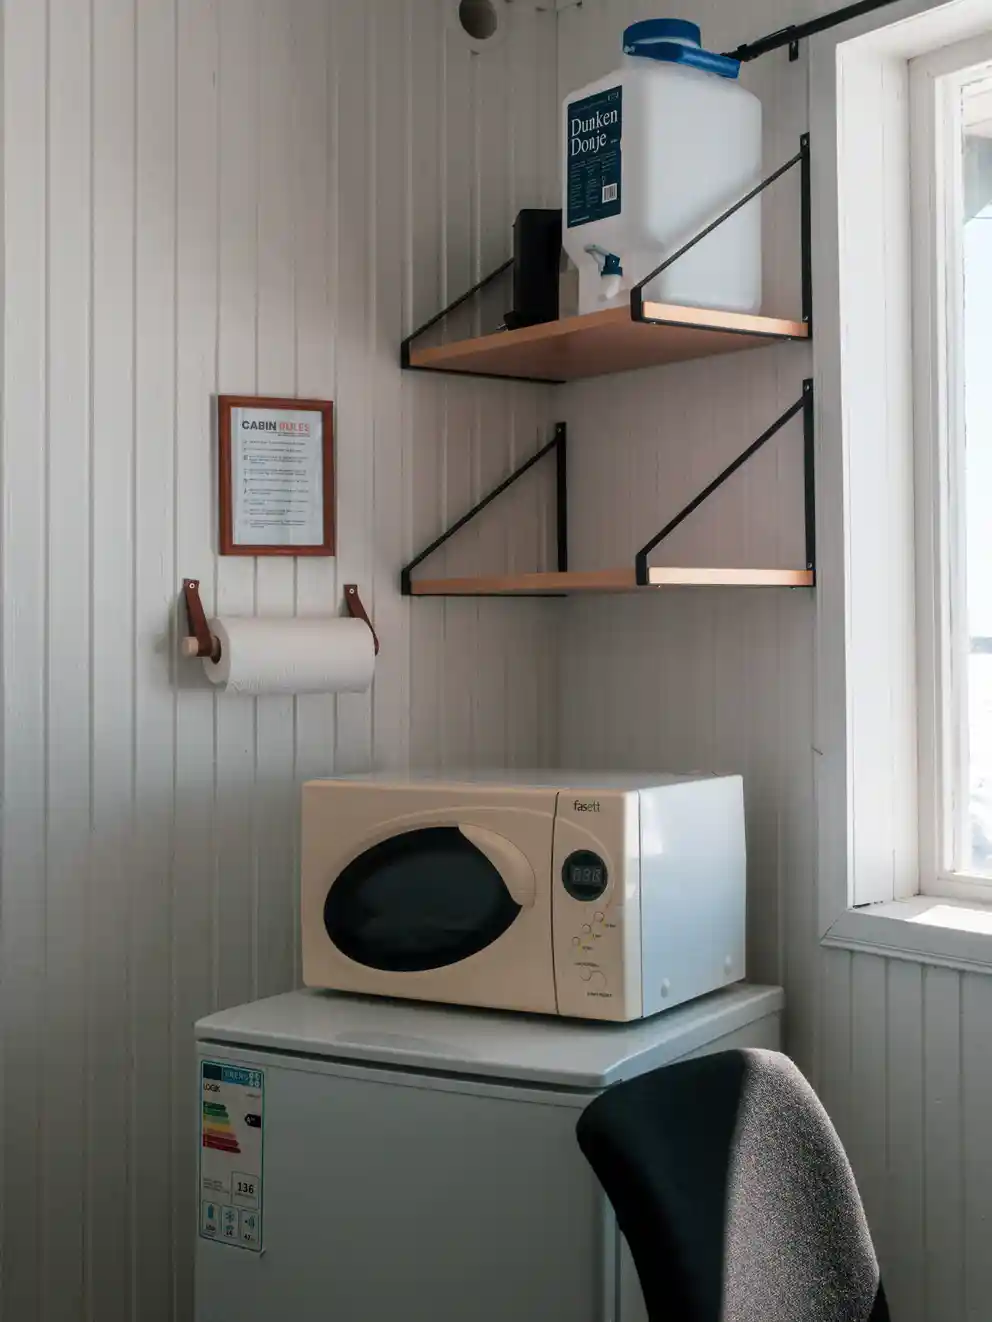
(661, 29)
(676, 41)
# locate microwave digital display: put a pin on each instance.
(584, 875)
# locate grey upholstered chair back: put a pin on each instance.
(735, 1194)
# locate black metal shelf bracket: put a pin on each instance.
(440, 316)
(558, 445)
(408, 343)
(802, 159)
(803, 405)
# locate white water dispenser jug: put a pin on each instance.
(652, 153)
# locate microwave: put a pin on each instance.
(595, 896)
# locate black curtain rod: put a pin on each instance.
(791, 36)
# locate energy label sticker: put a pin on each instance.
(232, 1139)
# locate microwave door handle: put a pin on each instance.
(512, 865)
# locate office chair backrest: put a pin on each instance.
(735, 1194)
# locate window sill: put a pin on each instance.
(926, 929)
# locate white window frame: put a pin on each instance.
(869, 682)
(936, 83)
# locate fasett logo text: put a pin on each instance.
(589, 806)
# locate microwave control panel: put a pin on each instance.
(596, 921)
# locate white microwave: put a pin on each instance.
(596, 896)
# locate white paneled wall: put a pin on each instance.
(206, 196)
(724, 680)
(906, 1072)
(265, 195)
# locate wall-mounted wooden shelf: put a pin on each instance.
(640, 577)
(643, 334)
(609, 341)
(608, 580)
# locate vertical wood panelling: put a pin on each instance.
(316, 578)
(238, 186)
(355, 82)
(424, 213)
(150, 1166)
(273, 819)
(868, 1144)
(835, 1039)
(25, 589)
(942, 1135)
(901, 1234)
(197, 293)
(976, 1143)
(390, 471)
(205, 198)
(797, 831)
(67, 671)
(462, 267)
(107, 1224)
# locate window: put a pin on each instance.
(902, 284)
(951, 174)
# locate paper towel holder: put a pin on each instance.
(357, 611)
(201, 642)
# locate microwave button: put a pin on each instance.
(601, 918)
(586, 929)
(585, 974)
(598, 980)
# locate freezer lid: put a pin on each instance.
(450, 1040)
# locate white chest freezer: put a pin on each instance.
(372, 1161)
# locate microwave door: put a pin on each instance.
(427, 898)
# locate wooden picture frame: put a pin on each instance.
(253, 517)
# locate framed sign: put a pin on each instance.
(276, 476)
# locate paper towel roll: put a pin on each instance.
(261, 656)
